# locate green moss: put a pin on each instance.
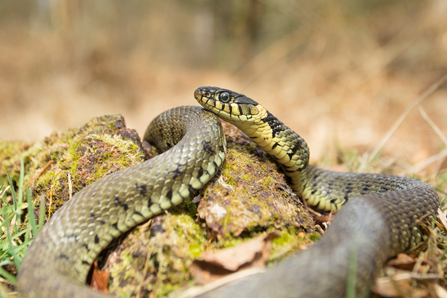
(284, 238)
(245, 177)
(314, 236)
(267, 180)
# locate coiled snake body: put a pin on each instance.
(379, 220)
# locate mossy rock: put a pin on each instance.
(62, 164)
(249, 196)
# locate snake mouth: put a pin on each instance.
(227, 104)
(204, 99)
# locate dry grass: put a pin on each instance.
(337, 77)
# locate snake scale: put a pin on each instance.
(381, 214)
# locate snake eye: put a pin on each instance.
(208, 94)
(224, 97)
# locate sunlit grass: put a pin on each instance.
(16, 234)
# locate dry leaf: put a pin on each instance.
(442, 218)
(100, 279)
(321, 219)
(215, 265)
(403, 261)
(440, 291)
(398, 285)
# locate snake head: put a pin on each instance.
(227, 104)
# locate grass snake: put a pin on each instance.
(380, 217)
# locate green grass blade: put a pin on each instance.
(11, 208)
(31, 218)
(20, 192)
(7, 275)
(12, 249)
(13, 192)
(41, 210)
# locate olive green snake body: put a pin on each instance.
(380, 218)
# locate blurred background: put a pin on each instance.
(337, 72)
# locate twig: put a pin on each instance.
(433, 125)
(438, 156)
(401, 118)
(430, 160)
(70, 186)
(32, 181)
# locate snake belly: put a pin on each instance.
(58, 261)
(380, 218)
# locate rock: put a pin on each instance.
(248, 197)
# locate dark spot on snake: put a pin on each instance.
(96, 239)
(294, 149)
(200, 173)
(207, 147)
(138, 213)
(169, 194)
(177, 172)
(85, 263)
(333, 200)
(192, 191)
(85, 245)
(142, 189)
(275, 145)
(305, 183)
(100, 221)
(274, 124)
(318, 203)
(63, 256)
(346, 197)
(124, 205)
(383, 189)
(314, 185)
(115, 225)
(348, 190)
(240, 109)
(329, 189)
(365, 189)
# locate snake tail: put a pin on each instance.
(58, 261)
